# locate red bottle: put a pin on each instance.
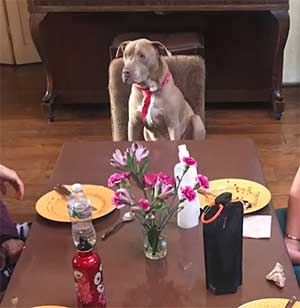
(88, 276)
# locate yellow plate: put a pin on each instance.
(256, 194)
(53, 205)
(269, 303)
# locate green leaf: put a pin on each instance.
(144, 167)
(129, 162)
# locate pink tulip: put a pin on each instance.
(121, 198)
(166, 191)
(188, 193)
(150, 179)
(118, 159)
(190, 161)
(166, 179)
(145, 204)
(117, 178)
(202, 181)
(139, 151)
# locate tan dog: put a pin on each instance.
(156, 106)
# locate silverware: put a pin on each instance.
(63, 190)
(128, 216)
(291, 302)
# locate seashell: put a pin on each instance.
(277, 275)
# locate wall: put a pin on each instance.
(291, 69)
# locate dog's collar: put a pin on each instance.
(147, 94)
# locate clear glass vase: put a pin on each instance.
(155, 244)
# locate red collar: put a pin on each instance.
(147, 94)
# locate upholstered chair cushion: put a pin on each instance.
(188, 73)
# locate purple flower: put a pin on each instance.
(138, 151)
(121, 198)
(188, 193)
(145, 204)
(117, 178)
(118, 159)
(202, 181)
(190, 161)
(166, 191)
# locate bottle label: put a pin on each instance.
(80, 211)
(90, 288)
(81, 214)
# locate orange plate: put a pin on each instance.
(53, 205)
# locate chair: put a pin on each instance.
(281, 215)
(188, 73)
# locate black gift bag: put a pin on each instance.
(223, 244)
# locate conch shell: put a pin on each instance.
(277, 275)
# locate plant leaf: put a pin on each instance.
(144, 167)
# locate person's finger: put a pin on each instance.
(18, 186)
(20, 190)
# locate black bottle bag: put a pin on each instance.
(223, 245)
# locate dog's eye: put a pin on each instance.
(142, 56)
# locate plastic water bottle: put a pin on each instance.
(80, 212)
(188, 217)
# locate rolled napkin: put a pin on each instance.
(277, 275)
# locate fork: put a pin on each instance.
(291, 302)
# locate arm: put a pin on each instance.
(9, 239)
(293, 219)
(10, 176)
(7, 227)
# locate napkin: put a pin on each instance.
(257, 226)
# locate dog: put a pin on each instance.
(157, 108)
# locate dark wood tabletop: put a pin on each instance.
(43, 275)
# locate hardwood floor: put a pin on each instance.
(30, 145)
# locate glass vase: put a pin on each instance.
(155, 244)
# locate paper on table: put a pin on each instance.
(257, 226)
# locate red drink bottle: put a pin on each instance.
(88, 276)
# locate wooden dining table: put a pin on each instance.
(43, 275)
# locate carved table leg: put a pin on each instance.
(49, 97)
(283, 23)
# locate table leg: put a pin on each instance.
(35, 27)
(282, 24)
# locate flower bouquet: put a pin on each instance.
(157, 202)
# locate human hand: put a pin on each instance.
(13, 249)
(10, 176)
(293, 248)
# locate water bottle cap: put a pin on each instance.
(76, 187)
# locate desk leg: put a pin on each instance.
(35, 27)
(282, 29)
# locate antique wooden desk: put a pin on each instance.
(43, 275)
(244, 43)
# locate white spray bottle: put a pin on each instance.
(188, 217)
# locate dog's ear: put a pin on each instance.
(162, 49)
(121, 49)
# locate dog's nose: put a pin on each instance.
(126, 73)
